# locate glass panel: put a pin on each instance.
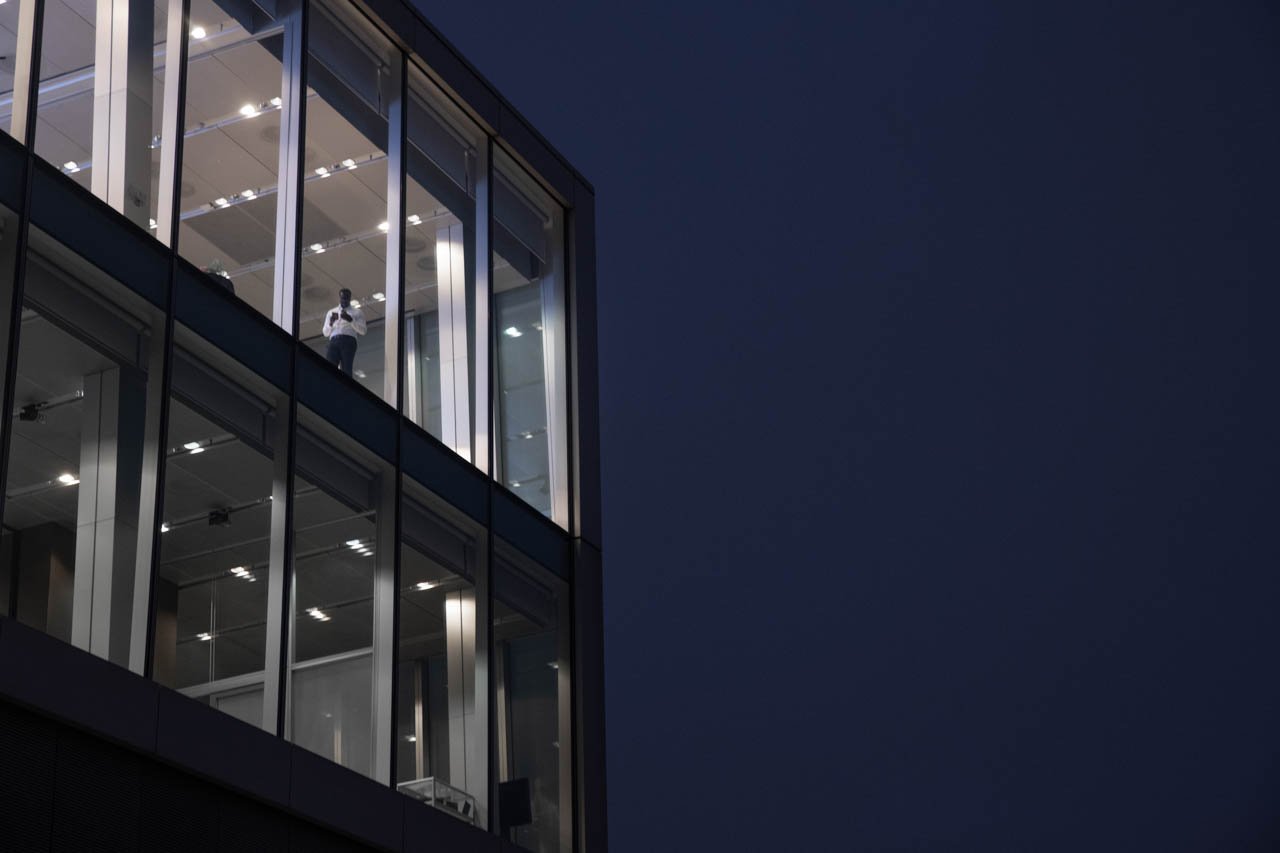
(531, 641)
(87, 350)
(8, 259)
(210, 605)
(337, 494)
(344, 220)
(69, 107)
(439, 267)
(531, 409)
(439, 734)
(231, 149)
(9, 49)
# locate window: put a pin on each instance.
(439, 267)
(231, 148)
(342, 545)
(88, 351)
(344, 222)
(442, 729)
(531, 643)
(529, 307)
(210, 600)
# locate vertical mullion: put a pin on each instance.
(292, 162)
(279, 580)
(172, 130)
(484, 457)
(11, 326)
(26, 74)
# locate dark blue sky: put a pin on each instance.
(939, 375)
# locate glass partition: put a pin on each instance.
(439, 267)
(342, 539)
(9, 36)
(344, 221)
(531, 657)
(531, 408)
(210, 599)
(442, 686)
(231, 147)
(84, 417)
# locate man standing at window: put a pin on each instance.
(341, 325)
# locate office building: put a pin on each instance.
(254, 595)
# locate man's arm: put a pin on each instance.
(357, 321)
(328, 315)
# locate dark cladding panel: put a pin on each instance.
(89, 228)
(27, 748)
(444, 472)
(326, 793)
(526, 145)
(13, 159)
(444, 64)
(517, 523)
(217, 316)
(588, 675)
(344, 404)
(97, 793)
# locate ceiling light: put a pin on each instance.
(198, 33)
(164, 528)
(515, 484)
(275, 102)
(424, 586)
(203, 637)
(554, 665)
(249, 194)
(191, 445)
(317, 248)
(71, 166)
(153, 225)
(318, 614)
(360, 374)
(248, 111)
(366, 553)
(512, 332)
(379, 297)
(354, 543)
(355, 303)
(384, 226)
(322, 171)
(196, 450)
(68, 479)
(221, 202)
(349, 163)
(415, 219)
(409, 738)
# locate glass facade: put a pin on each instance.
(363, 549)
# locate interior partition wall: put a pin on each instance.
(185, 495)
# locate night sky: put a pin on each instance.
(939, 377)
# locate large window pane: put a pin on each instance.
(344, 221)
(528, 285)
(231, 149)
(531, 642)
(441, 728)
(210, 601)
(88, 351)
(8, 47)
(338, 527)
(439, 267)
(120, 162)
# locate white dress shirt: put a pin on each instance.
(342, 327)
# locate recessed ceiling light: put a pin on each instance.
(164, 528)
(317, 248)
(248, 111)
(153, 224)
(204, 637)
(71, 166)
(409, 738)
(415, 219)
(191, 445)
(322, 171)
(355, 303)
(198, 33)
(221, 201)
(275, 102)
(354, 543)
(379, 297)
(424, 586)
(360, 374)
(349, 163)
(68, 479)
(196, 450)
(318, 614)
(249, 194)
(384, 226)
(512, 332)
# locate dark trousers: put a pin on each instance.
(342, 352)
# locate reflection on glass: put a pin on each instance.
(439, 735)
(530, 634)
(528, 329)
(231, 148)
(210, 601)
(337, 490)
(76, 451)
(344, 223)
(9, 48)
(439, 267)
